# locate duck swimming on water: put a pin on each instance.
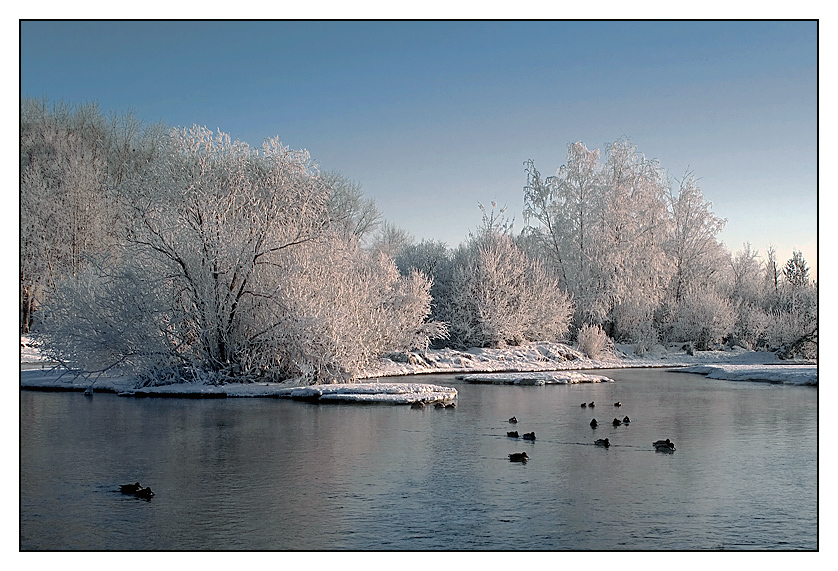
(593, 423)
(602, 442)
(617, 422)
(626, 420)
(529, 436)
(513, 434)
(513, 420)
(664, 445)
(519, 457)
(130, 488)
(136, 489)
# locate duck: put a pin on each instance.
(130, 488)
(418, 405)
(591, 404)
(626, 420)
(664, 445)
(593, 423)
(439, 405)
(513, 434)
(618, 403)
(529, 436)
(451, 405)
(513, 420)
(617, 422)
(602, 442)
(137, 490)
(584, 405)
(519, 457)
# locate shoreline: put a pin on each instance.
(532, 364)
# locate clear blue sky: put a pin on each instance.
(433, 117)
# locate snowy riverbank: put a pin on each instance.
(533, 364)
(780, 374)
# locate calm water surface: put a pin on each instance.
(266, 474)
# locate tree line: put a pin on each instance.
(180, 253)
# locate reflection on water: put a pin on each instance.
(277, 474)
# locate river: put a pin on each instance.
(275, 474)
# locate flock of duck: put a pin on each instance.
(660, 445)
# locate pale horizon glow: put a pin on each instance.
(432, 118)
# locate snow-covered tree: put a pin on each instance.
(339, 307)
(492, 223)
(630, 260)
(435, 260)
(501, 296)
(71, 159)
(352, 215)
(796, 271)
(231, 269)
(603, 228)
(65, 213)
(206, 220)
(771, 279)
(427, 256)
(131, 146)
(564, 206)
(390, 239)
(795, 326)
(216, 213)
(696, 253)
(748, 276)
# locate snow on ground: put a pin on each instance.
(545, 356)
(783, 374)
(532, 364)
(395, 393)
(537, 379)
(392, 393)
(29, 352)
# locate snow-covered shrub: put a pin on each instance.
(794, 322)
(786, 328)
(591, 340)
(704, 317)
(230, 270)
(751, 325)
(112, 319)
(634, 323)
(501, 296)
(346, 308)
(644, 336)
(436, 261)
